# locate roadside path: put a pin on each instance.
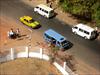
(64, 17)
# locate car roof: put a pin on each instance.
(55, 35)
(45, 7)
(28, 18)
(85, 27)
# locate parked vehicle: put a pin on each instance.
(84, 31)
(44, 10)
(27, 20)
(55, 38)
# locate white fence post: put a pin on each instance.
(27, 52)
(41, 53)
(64, 65)
(12, 54)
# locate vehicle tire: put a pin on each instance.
(22, 22)
(75, 33)
(36, 12)
(85, 37)
(44, 16)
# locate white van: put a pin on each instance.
(44, 10)
(84, 31)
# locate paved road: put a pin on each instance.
(88, 51)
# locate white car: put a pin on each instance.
(44, 10)
(84, 31)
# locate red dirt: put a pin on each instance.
(5, 68)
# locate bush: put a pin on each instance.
(88, 9)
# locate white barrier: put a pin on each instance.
(45, 57)
(61, 69)
(27, 54)
(33, 54)
(5, 58)
(12, 54)
(21, 55)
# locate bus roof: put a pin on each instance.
(85, 27)
(45, 7)
(55, 35)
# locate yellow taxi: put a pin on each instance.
(27, 20)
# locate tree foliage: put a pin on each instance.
(88, 9)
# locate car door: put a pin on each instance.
(80, 32)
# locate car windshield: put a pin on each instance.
(30, 21)
(52, 11)
(64, 43)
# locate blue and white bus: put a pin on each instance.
(56, 39)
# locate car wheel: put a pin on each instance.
(37, 12)
(75, 33)
(45, 16)
(22, 22)
(85, 37)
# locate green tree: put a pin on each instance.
(96, 13)
(87, 9)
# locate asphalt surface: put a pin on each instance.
(88, 51)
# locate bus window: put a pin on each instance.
(86, 32)
(80, 30)
(76, 27)
(53, 40)
(37, 7)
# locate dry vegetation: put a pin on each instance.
(21, 66)
(28, 66)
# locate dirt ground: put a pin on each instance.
(21, 66)
(28, 66)
(5, 25)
